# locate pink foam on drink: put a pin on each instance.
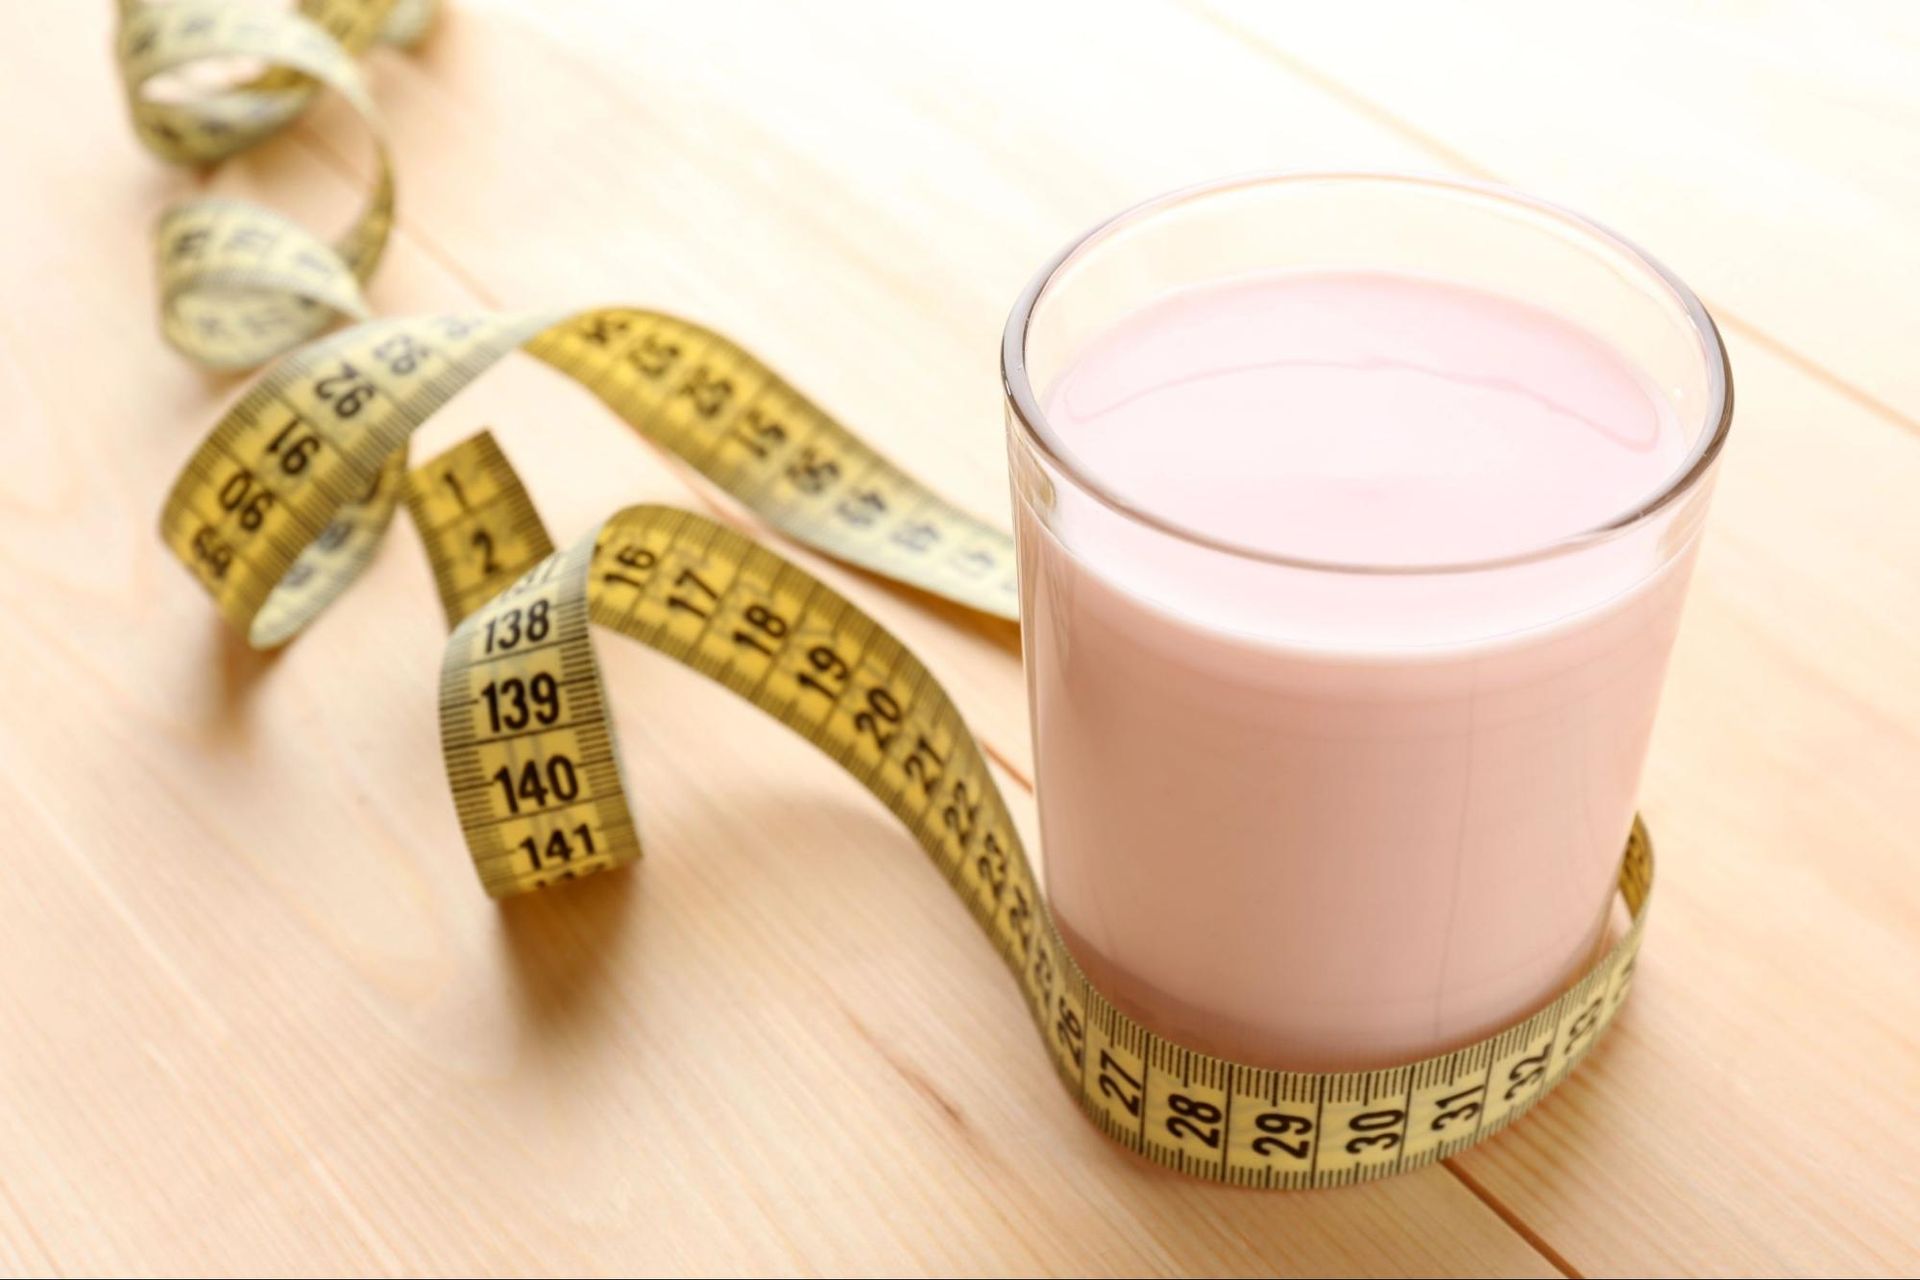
(1330, 819)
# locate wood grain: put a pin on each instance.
(260, 1018)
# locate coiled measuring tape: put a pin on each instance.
(240, 283)
(285, 502)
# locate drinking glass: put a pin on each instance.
(1319, 815)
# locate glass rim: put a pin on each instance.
(1039, 434)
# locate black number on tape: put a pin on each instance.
(560, 847)
(1374, 1129)
(1193, 1118)
(1274, 1126)
(534, 785)
(505, 631)
(513, 703)
(1118, 1083)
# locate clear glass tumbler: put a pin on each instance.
(1273, 828)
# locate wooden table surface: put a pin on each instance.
(256, 1013)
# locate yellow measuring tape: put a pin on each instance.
(240, 283)
(284, 503)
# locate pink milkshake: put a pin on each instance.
(1348, 594)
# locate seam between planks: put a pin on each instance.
(1519, 1225)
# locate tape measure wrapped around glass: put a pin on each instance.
(532, 762)
(286, 500)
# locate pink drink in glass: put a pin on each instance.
(1344, 642)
